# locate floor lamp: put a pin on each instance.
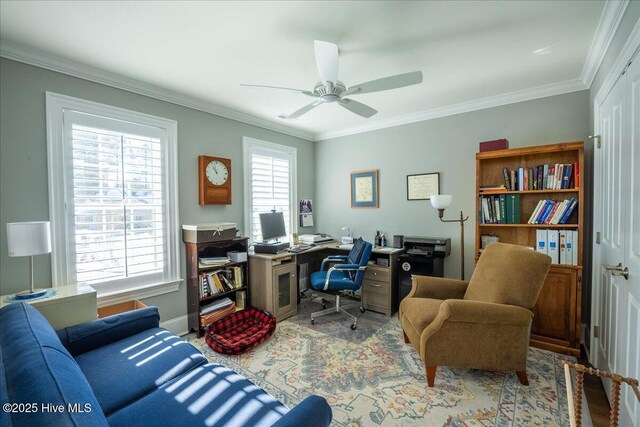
(441, 202)
(29, 239)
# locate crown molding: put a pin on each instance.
(464, 107)
(55, 63)
(607, 27)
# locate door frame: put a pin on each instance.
(629, 50)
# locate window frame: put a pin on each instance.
(58, 172)
(249, 146)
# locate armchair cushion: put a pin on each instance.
(508, 274)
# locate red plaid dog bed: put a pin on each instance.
(240, 331)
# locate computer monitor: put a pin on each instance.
(272, 225)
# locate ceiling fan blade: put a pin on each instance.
(304, 92)
(304, 110)
(357, 107)
(326, 60)
(386, 83)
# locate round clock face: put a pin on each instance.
(217, 172)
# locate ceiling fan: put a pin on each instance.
(329, 89)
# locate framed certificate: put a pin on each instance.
(423, 186)
(364, 189)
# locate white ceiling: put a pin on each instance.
(467, 51)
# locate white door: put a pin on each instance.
(616, 309)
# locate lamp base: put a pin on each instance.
(36, 293)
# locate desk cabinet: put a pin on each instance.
(285, 291)
(274, 285)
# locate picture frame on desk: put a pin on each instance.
(422, 186)
(365, 189)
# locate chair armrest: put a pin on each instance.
(314, 411)
(437, 288)
(87, 336)
(342, 267)
(332, 258)
(466, 311)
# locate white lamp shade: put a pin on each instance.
(441, 201)
(28, 238)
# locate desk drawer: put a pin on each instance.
(375, 293)
(377, 273)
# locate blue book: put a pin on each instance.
(566, 175)
(548, 205)
(569, 211)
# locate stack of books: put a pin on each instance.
(542, 177)
(553, 212)
(216, 311)
(499, 209)
(212, 261)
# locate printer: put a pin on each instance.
(423, 256)
(314, 238)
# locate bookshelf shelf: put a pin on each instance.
(557, 313)
(558, 226)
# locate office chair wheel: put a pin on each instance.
(353, 327)
(313, 321)
(362, 310)
(324, 306)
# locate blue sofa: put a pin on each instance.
(125, 370)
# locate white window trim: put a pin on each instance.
(251, 143)
(55, 106)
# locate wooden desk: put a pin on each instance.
(71, 305)
(274, 283)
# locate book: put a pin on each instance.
(553, 248)
(559, 212)
(568, 212)
(555, 210)
(241, 300)
(566, 176)
(562, 241)
(507, 181)
(535, 212)
(496, 209)
(503, 208)
(513, 205)
(544, 211)
(514, 181)
(541, 241)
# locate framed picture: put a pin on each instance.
(422, 186)
(364, 189)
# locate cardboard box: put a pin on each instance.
(123, 307)
(496, 144)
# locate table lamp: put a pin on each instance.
(29, 239)
(441, 202)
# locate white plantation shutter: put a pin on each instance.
(269, 171)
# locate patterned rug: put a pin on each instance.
(370, 377)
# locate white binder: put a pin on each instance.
(541, 242)
(554, 246)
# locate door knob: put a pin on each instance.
(618, 270)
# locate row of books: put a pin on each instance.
(542, 177)
(220, 281)
(560, 245)
(499, 209)
(553, 212)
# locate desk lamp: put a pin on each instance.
(441, 202)
(29, 239)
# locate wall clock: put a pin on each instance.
(214, 180)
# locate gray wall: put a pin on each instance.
(445, 145)
(23, 162)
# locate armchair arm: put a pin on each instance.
(332, 258)
(314, 411)
(466, 311)
(437, 288)
(81, 338)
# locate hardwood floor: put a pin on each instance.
(596, 397)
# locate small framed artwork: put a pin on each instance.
(364, 189)
(423, 186)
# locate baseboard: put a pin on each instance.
(177, 325)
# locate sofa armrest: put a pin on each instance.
(314, 411)
(437, 288)
(87, 336)
(467, 311)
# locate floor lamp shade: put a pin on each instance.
(28, 238)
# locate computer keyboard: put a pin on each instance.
(296, 249)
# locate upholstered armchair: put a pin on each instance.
(484, 323)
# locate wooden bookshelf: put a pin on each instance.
(556, 324)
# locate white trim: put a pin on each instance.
(628, 50)
(464, 107)
(249, 143)
(55, 106)
(177, 325)
(148, 291)
(54, 63)
(607, 27)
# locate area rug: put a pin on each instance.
(370, 377)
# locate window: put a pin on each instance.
(269, 174)
(113, 198)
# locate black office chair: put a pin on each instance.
(346, 275)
